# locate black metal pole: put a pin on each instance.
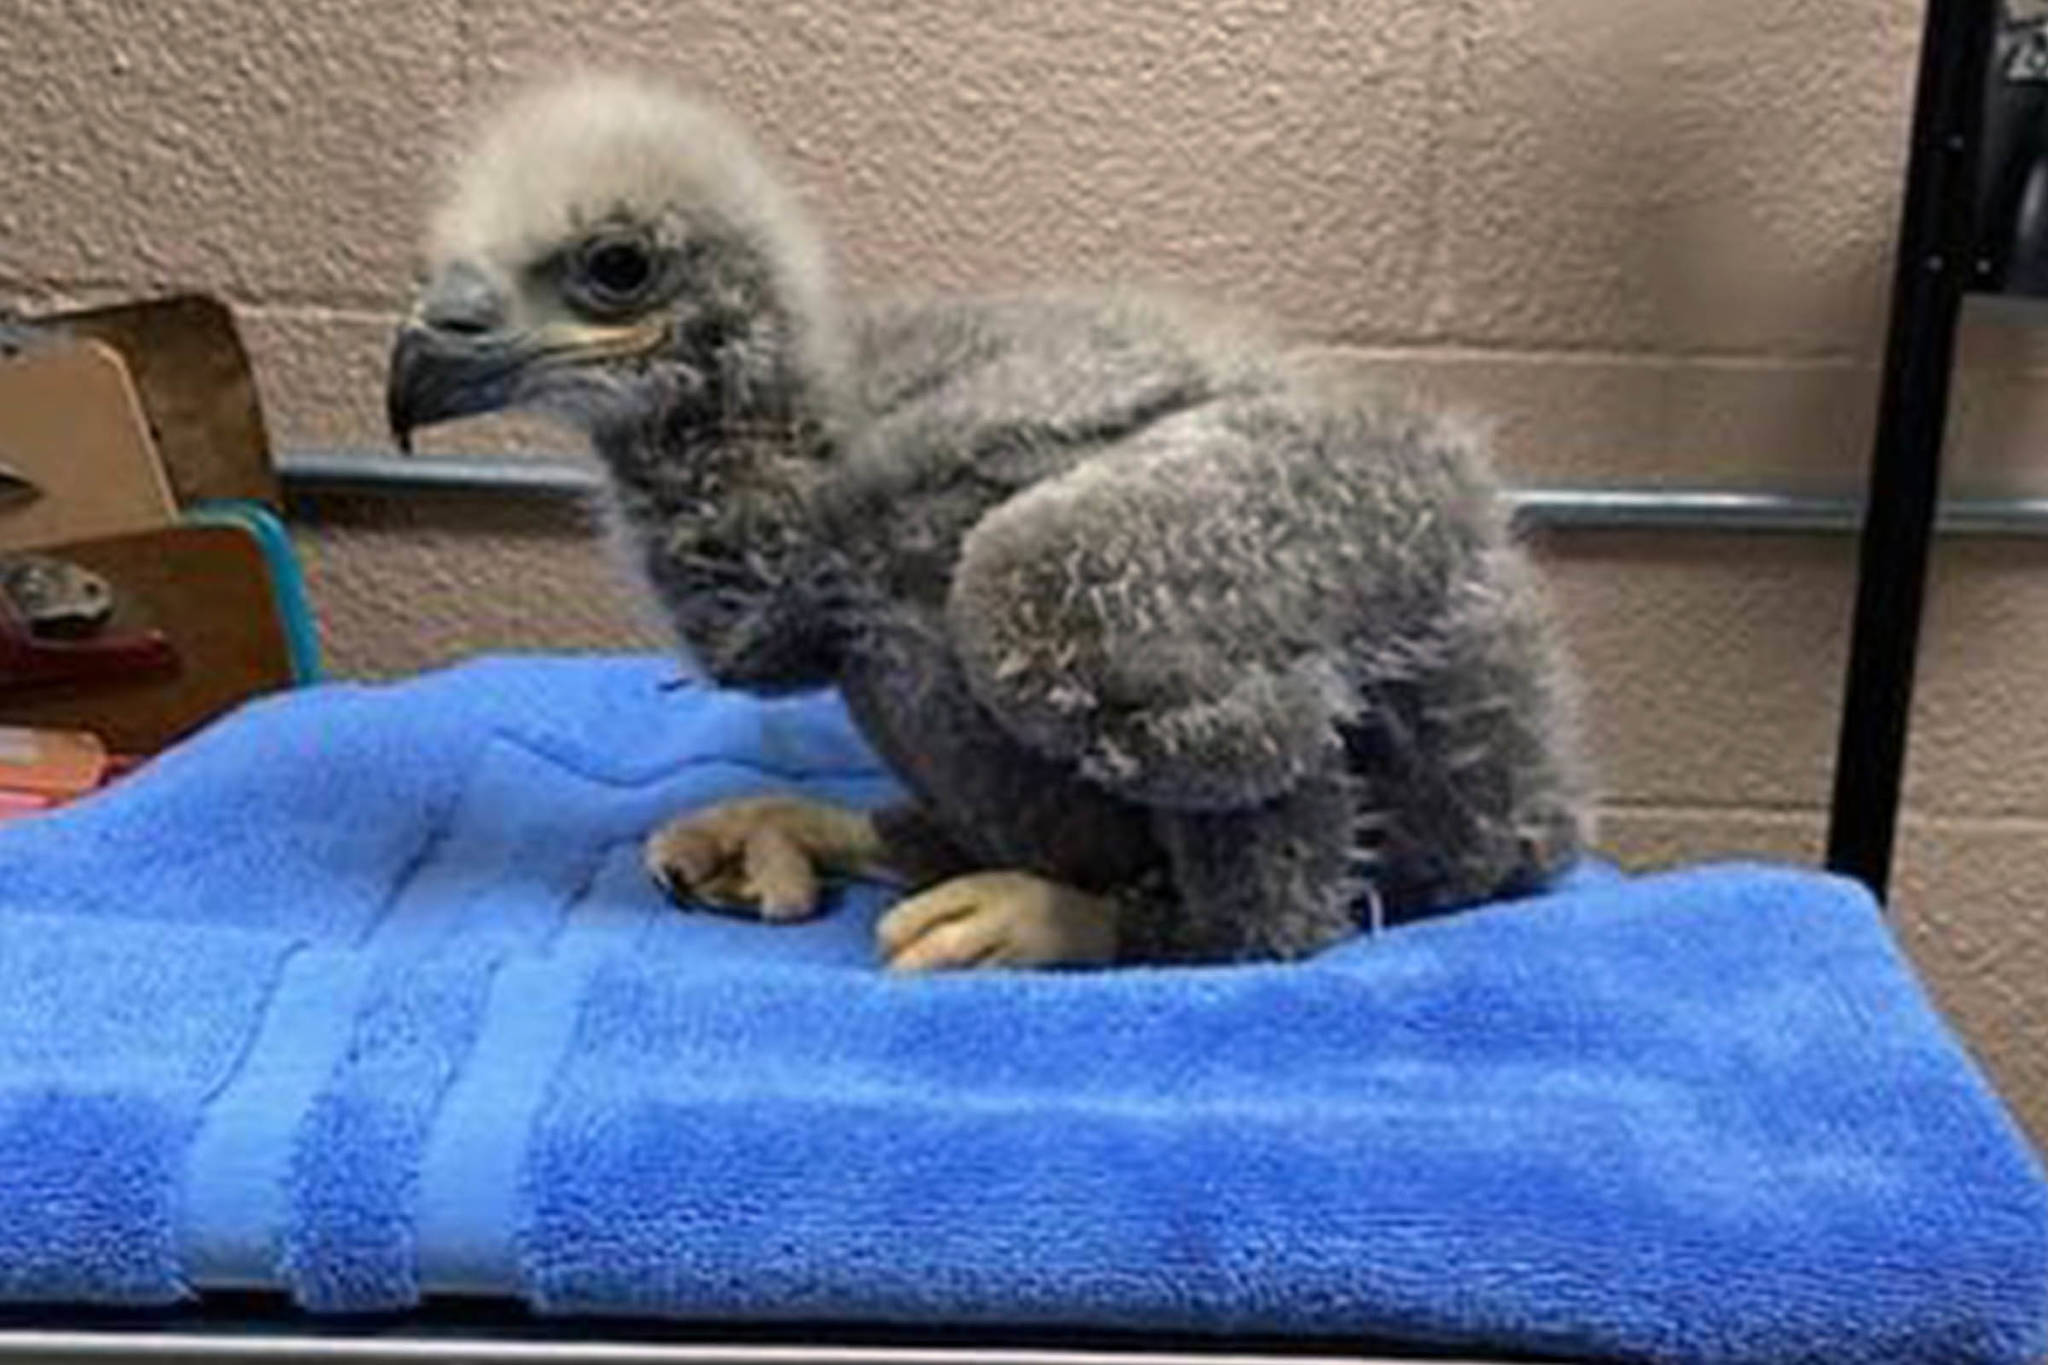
(1936, 261)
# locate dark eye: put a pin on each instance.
(615, 270)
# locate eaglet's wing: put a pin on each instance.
(1187, 617)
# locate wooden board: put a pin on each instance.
(198, 393)
(206, 587)
(71, 423)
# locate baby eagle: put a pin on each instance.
(1185, 650)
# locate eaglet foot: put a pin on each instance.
(762, 856)
(998, 919)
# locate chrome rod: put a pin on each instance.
(329, 471)
(1561, 508)
(1676, 509)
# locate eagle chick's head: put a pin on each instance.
(610, 252)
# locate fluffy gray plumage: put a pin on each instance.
(1127, 594)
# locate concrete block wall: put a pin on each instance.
(1650, 238)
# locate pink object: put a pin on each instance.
(14, 805)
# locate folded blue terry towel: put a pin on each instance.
(361, 995)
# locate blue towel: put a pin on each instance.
(362, 996)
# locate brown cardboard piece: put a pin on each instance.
(72, 426)
(124, 417)
(208, 589)
(198, 393)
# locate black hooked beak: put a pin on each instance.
(454, 356)
(460, 355)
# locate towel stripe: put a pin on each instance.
(498, 884)
(234, 1203)
(469, 1199)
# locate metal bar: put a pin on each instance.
(340, 471)
(1671, 509)
(1663, 509)
(1592, 509)
(1935, 258)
